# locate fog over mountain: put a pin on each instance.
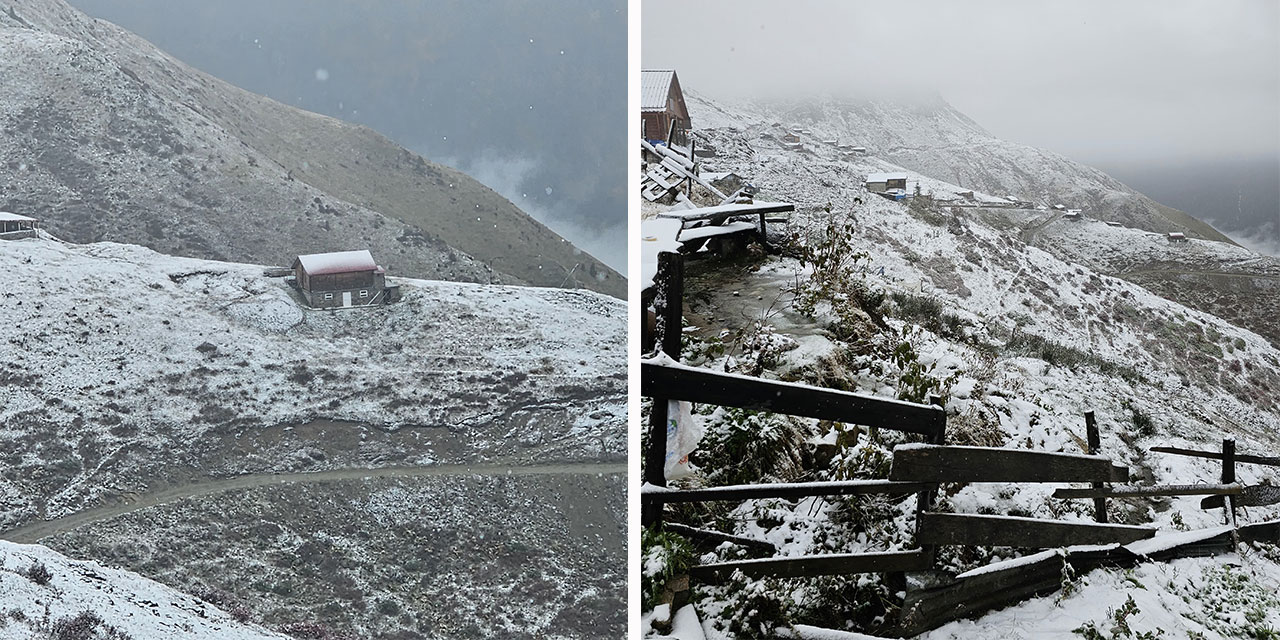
(1169, 95)
(529, 99)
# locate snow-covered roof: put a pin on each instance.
(885, 177)
(318, 264)
(655, 86)
(5, 216)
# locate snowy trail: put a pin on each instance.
(35, 531)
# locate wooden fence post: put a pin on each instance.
(1229, 476)
(924, 499)
(669, 304)
(1095, 445)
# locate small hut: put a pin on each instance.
(1176, 236)
(342, 279)
(884, 182)
(14, 226)
(663, 113)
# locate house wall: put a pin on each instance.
(325, 291)
(877, 187)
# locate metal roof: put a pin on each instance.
(655, 86)
(318, 264)
(5, 216)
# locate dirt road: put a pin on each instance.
(35, 531)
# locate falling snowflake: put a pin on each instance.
(322, 74)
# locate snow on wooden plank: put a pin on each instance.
(1011, 531)
(809, 632)
(936, 463)
(817, 565)
(929, 608)
(1252, 496)
(665, 378)
(1012, 563)
(1171, 541)
(656, 236)
(783, 490)
(699, 233)
(729, 210)
(1131, 491)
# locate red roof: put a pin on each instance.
(318, 264)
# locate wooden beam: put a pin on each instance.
(1151, 491)
(1009, 531)
(1229, 476)
(762, 546)
(1261, 532)
(819, 565)
(667, 379)
(782, 490)
(929, 608)
(1094, 440)
(1216, 455)
(1259, 495)
(928, 463)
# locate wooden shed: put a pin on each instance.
(663, 111)
(883, 182)
(342, 279)
(14, 226)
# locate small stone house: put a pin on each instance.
(342, 279)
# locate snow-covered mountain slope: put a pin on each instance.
(126, 368)
(46, 595)
(933, 138)
(1019, 342)
(106, 137)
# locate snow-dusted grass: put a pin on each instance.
(120, 359)
(137, 607)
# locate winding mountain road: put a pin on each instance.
(35, 531)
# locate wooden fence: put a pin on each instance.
(918, 468)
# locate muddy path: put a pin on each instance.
(35, 531)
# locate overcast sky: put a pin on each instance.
(1099, 81)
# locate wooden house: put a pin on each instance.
(883, 182)
(342, 279)
(790, 138)
(1175, 236)
(663, 112)
(14, 226)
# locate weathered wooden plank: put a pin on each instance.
(1132, 491)
(761, 546)
(782, 490)
(1259, 495)
(1186, 544)
(669, 379)
(1010, 531)
(931, 463)
(1217, 455)
(1261, 532)
(926, 609)
(819, 565)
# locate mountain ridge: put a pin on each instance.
(140, 147)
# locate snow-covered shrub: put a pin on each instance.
(742, 446)
(663, 556)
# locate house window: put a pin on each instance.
(328, 296)
(364, 293)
